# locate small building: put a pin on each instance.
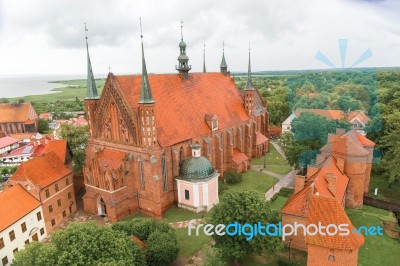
(46, 116)
(47, 179)
(18, 118)
(197, 184)
(8, 144)
(21, 222)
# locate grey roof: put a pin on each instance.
(196, 168)
(249, 84)
(145, 91)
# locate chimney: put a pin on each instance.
(331, 179)
(340, 131)
(299, 182)
(312, 171)
(340, 164)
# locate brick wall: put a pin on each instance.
(320, 256)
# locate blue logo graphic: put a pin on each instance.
(343, 51)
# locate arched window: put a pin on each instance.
(141, 172)
(164, 172)
(181, 156)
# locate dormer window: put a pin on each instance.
(212, 121)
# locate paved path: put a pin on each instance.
(185, 224)
(284, 180)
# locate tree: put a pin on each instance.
(212, 257)
(83, 244)
(43, 126)
(77, 138)
(159, 237)
(246, 207)
(162, 248)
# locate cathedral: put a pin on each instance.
(143, 129)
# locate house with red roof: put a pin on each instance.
(147, 124)
(21, 222)
(47, 179)
(8, 144)
(357, 119)
(18, 118)
(339, 178)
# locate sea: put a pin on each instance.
(23, 85)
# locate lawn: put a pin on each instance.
(377, 181)
(190, 245)
(74, 88)
(274, 162)
(256, 181)
(176, 214)
(377, 250)
(279, 202)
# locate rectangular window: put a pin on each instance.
(164, 172)
(57, 188)
(59, 202)
(15, 250)
(41, 231)
(51, 208)
(1, 243)
(186, 194)
(69, 195)
(64, 213)
(12, 235)
(39, 216)
(47, 193)
(141, 172)
(4, 260)
(23, 227)
(67, 181)
(53, 222)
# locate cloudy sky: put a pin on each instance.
(47, 36)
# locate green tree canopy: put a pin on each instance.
(83, 244)
(77, 138)
(244, 207)
(43, 126)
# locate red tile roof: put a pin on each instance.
(360, 115)
(352, 143)
(327, 210)
(42, 170)
(298, 203)
(328, 114)
(27, 149)
(260, 138)
(365, 141)
(239, 157)
(59, 147)
(16, 112)
(181, 104)
(16, 202)
(7, 141)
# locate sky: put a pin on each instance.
(48, 37)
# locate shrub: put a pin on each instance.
(232, 177)
(282, 261)
(162, 248)
(222, 187)
(285, 192)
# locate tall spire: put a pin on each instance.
(183, 59)
(249, 84)
(145, 92)
(204, 58)
(223, 67)
(91, 91)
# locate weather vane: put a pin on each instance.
(86, 30)
(223, 46)
(141, 32)
(181, 29)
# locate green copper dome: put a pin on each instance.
(196, 168)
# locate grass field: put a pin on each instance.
(176, 214)
(377, 250)
(190, 245)
(279, 202)
(274, 162)
(256, 181)
(74, 88)
(384, 191)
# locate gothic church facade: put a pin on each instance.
(142, 126)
